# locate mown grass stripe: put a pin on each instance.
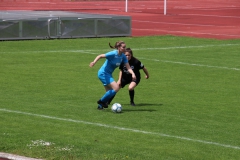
(99, 50)
(121, 128)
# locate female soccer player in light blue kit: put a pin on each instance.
(113, 60)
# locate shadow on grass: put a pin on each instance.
(138, 109)
(143, 104)
(147, 104)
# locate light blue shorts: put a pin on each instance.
(105, 78)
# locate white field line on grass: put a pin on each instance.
(104, 50)
(15, 157)
(190, 64)
(183, 63)
(121, 128)
(187, 47)
(161, 48)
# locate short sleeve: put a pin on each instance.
(125, 60)
(109, 54)
(140, 65)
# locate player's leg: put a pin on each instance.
(106, 80)
(111, 90)
(107, 88)
(116, 89)
(110, 100)
(131, 87)
(123, 83)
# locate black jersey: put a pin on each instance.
(136, 65)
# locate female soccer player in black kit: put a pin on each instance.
(126, 78)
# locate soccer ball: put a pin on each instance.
(116, 108)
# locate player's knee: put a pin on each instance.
(117, 88)
(130, 88)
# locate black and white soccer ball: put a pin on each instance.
(117, 108)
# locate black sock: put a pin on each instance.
(131, 94)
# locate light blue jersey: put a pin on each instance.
(113, 60)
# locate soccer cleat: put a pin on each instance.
(102, 104)
(132, 104)
(100, 107)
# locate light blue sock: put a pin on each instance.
(109, 94)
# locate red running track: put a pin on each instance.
(218, 19)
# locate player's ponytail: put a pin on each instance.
(117, 44)
(110, 45)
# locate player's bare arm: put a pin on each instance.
(96, 59)
(146, 72)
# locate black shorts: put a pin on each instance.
(124, 82)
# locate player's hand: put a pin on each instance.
(119, 83)
(134, 78)
(146, 76)
(91, 64)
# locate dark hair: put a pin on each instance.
(117, 44)
(129, 50)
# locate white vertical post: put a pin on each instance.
(126, 6)
(165, 7)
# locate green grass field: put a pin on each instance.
(188, 109)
